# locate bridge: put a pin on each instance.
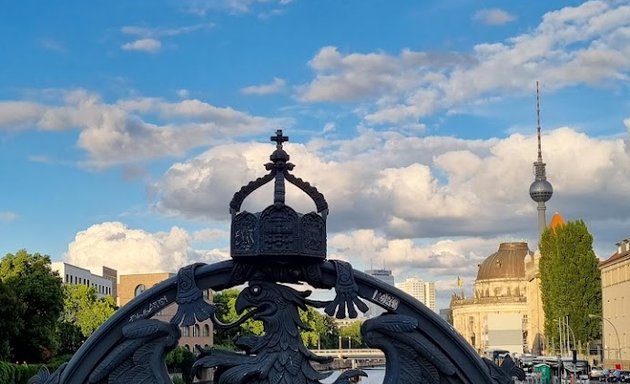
(362, 353)
(350, 358)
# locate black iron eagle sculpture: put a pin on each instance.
(279, 356)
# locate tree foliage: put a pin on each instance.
(83, 313)
(39, 289)
(10, 321)
(181, 360)
(322, 327)
(323, 330)
(570, 281)
(226, 312)
(352, 332)
(83, 309)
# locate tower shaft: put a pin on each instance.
(540, 190)
(542, 217)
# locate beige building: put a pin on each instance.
(423, 291)
(130, 286)
(616, 306)
(535, 327)
(499, 290)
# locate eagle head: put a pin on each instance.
(267, 299)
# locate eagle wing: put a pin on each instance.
(139, 358)
(411, 358)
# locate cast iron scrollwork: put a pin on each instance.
(269, 249)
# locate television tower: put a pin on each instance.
(541, 190)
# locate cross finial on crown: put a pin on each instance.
(279, 139)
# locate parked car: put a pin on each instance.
(608, 376)
(596, 372)
(612, 376)
(625, 376)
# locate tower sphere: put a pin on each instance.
(540, 191)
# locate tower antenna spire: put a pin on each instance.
(538, 123)
(540, 190)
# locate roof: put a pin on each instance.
(507, 263)
(556, 221)
(615, 258)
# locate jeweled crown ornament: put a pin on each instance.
(278, 232)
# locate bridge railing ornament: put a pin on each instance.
(269, 248)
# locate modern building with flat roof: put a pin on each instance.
(71, 274)
(423, 291)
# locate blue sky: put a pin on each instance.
(125, 127)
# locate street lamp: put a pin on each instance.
(561, 326)
(592, 316)
(572, 334)
(542, 336)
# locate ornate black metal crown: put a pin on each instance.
(278, 231)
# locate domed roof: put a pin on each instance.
(540, 190)
(507, 263)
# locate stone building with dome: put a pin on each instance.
(500, 291)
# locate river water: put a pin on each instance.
(375, 376)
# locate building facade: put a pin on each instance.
(385, 275)
(616, 306)
(71, 274)
(422, 291)
(131, 286)
(499, 290)
(535, 326)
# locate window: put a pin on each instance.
(185, 331)
(206, 330)
(139, 289)
(196, 330)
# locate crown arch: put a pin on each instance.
(418, 345)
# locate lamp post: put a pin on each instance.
(592, 316)
(562, 322)
(542, 336)
(573, 335)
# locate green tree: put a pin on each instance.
(570, 281)
(322, 326)
(39, 289)
(69, 337)
(352, 332)
(82, 314)
(323, 330)
(83, 309)
(226, 312)
(181, 360)
(10, 322)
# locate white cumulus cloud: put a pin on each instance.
(415, 187)
(493, 16)
(585, 44)
(128, 250)
(277, 85)
(131, 130)
(8, 216)
(149, 45)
